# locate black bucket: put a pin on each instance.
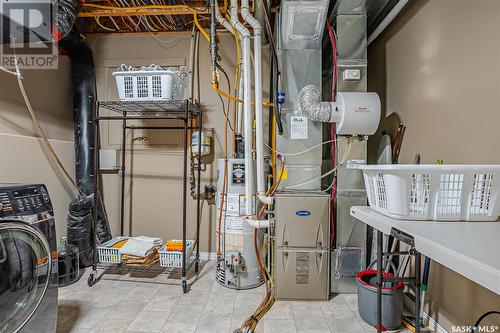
(392, 300)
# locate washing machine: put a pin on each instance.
(28, 260)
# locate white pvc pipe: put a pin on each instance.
(239, 112)
(259, 124)
(247, 108)
(239, 117)
(387, 20)
(258, 224)
(266, 200)
(222, 20)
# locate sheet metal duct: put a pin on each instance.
(300, 52)
(349, 254)
(300, 58)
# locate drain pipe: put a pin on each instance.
(259, 125)
(247, 107)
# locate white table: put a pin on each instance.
(471, 249)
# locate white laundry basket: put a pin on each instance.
(150, 84)
(174, 258)
(434, 192)
(108, 254)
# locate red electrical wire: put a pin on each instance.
(333, 42)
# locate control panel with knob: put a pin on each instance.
(26, 200)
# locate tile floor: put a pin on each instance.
(138, 303)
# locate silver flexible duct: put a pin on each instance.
(313, 108)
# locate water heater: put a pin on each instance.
(237, 266)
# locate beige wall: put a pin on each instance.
(437, 70)
(154, 177)
(23, 158)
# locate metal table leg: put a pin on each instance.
(198, 194)
(122, 197)
(417, 291)
(92, 279)
(380, 238)
(184, 199)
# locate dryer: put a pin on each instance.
(28, 260)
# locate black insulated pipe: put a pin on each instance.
(84, 108)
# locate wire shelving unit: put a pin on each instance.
(124, 111)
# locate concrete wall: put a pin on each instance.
(437, 69)
(153, 191)
(23, 157)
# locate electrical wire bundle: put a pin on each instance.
(251, 322)
(153, 23)
(333, 185)
(332, 171)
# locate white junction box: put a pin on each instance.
(108, 159)
(352, 75)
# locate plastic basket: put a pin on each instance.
(149, 85)
(107, 254)
(174, 258)
(434, 192)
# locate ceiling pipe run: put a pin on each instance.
(387, 20)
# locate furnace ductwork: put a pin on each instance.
(355, 113)
(312, 106)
